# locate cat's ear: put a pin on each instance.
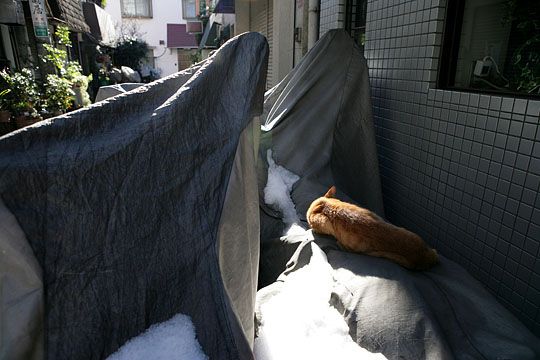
(331, 192)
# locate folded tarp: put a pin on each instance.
(122, 204)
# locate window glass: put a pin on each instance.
(497, 48)
(136, 8)
(355, 20)
(189, 8)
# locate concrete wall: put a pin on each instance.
(461, 169)
(242, 10)
(283, 39)
(275, 20)
(154, 29)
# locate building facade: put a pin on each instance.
(162, 25)
(22, 32)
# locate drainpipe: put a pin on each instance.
(313, 22)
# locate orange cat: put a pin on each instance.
(360, 230)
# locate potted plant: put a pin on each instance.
(23, 96)
(67, 88)
(59, 95)
(5, 114)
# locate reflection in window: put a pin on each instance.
(355, 20)
(496, 46)
(137, 8)
(189, 8)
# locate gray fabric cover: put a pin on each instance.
(21, 293)
(109, 91)
(443, 313)
(121, 203)
(238, 233)
(318, 123)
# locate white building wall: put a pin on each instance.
(154, 29)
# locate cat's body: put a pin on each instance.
(360, 230)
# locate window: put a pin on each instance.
(190, 9)
(137, 8)
(355, 20)
(492, 46)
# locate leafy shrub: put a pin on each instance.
(59, 89)
(21, 93)
(59, 94)
(130, 52)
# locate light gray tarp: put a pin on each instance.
(438, 314)
(122, 204)
(108, 91)
(318, 123)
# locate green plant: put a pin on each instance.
(527, 62)
(130, 52)
(60, 88)
(4, 99)
(21, 94)
(59, 94)
(524, 19)
(58, 57)
(195, 57)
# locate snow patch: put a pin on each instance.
(277, 192)
(173, 339)
(299, 323)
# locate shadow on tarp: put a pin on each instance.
(121, 204)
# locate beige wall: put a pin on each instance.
(283, 38)
(275, 20)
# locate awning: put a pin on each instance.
(224, 7)
(101, 23)
(210, 33)
(11, 12)
(178, 37)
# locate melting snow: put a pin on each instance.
(299, 323)
(173, 339)
(277, 192)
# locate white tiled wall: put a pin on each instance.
(332, 15)
(461, 169)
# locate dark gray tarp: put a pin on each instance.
(318, 123)
(122, 204)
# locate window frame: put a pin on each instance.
(351, 18)
(197, 10)
(448, 59)
(150, 11)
